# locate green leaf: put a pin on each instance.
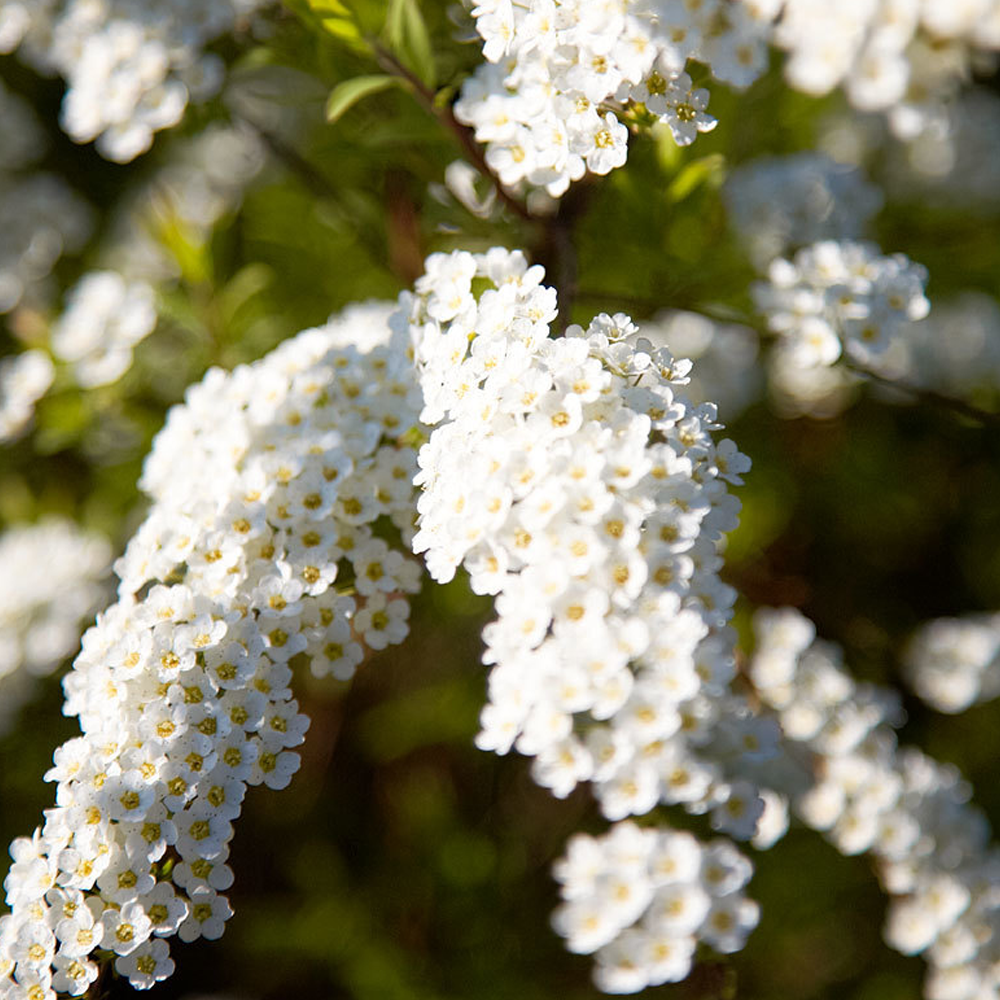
(338, 19)
(706, 170)
(348, 93)
(409, 39)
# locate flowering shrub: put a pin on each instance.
(431, 337)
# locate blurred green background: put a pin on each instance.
(402, 862)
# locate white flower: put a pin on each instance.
(684, 110)
(183, 694)
(644, 927)
(147, 965)
(104, 319)
(911, 813)
(559, 74)
(838, 298)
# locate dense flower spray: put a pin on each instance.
(912, 813)
(841, 298)
(573, 480)
(130, 66)
(560, 74)
(644, 898)
(271, 488)
(953, 663)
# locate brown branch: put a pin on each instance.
(314, 179)
(958, 406)
(445, 115)
(556, 250)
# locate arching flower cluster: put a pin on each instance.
(561, 73)
(130, 65)
(643, 900)
(573, 481)
(840, 298)
(780, 203)
(105, 317)
(953, 663)
(900, 57)
(50, 584)
(271, 487)
(912, 813)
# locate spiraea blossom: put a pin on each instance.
(841, 298)
(954, 662)
(560, 74)
(105, 317)
(644, 899)
(931, 846)
(51, 583)
(902, 57)
(272, 489)
(130, 66)
(572, 480)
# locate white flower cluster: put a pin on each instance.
(779, 203)
(575, 483)
(24, 379)
(954, 662)
(897, 56)
(105, 317)
(40, 217)
(932, 847)
(643, 900)
(269, 486)
(840, 298)
(560, 72)
(50, 584)
(130, 65)
(725, 355)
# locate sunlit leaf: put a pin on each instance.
(345, 95)
(409, 39)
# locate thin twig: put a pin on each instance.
(444, 114)
(315, 180)
(960, 406)
(557, 250)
